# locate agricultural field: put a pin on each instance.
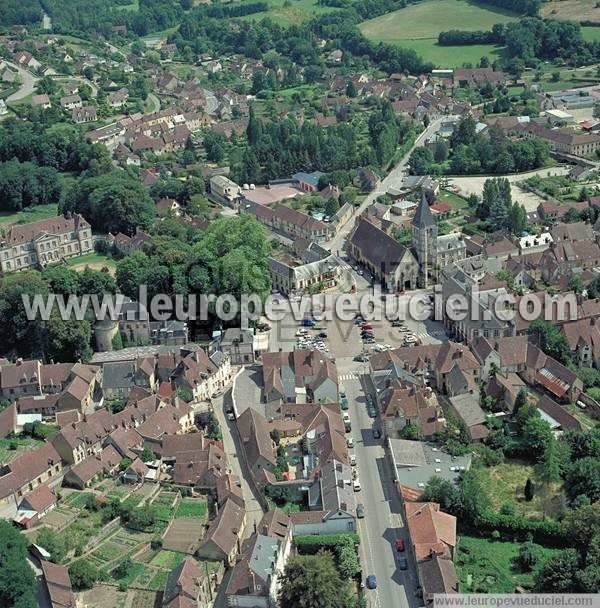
(9, 448)
(571, 10)
(192, 507)
(419, 25)
(486, 566)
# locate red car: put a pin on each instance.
(366, 326)
(399, 544)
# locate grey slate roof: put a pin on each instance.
(119, 374)
(423, 217)
(377, 246)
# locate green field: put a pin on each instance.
(419, 25)
(486, 566)
(95, 261)
(590, 33)
(298, 12)
(30, 214)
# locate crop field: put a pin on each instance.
(285, 13)
(419, 25)
(571, 10)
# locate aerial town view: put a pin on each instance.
(299, 303)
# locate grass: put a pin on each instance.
(157, 583)
(456, 202)
(132, 573)
(486, 566)
(191, 507)
(298, 12)
(106, 553)
(507, 481)
(77, 499)
(30, 214)
(418, 26)
(586, 420)
(167, 559)
(94, 260)
(570, 10)
(22, 444)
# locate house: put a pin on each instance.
(168, 206)
(558, 418)
(467, 409)
(578, 231)
(436, 576)
(169, 420)
(564, 140)
(202, 374)
(300, 376)
(118, 98)
(224, 189)
(127, 442)
(431, 531)
(187, 586)
(118, 379)
(308, 182)
(238, 344)
(83, 474)
(389, 262)
(70, 102)
(136, 472)
(8, 420)
(42, 101)
(259, 449)
(563, 259)
(29, 470)
(34, 506)
(255, 580)
(84, 114)
(476, 77)
(221, 541)
(56, 586)
(38, 244)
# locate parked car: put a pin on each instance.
(402, 563)
(397, 323)
(352, 460)
(372, 412)
(360, 511)
(307, 323)
(376, 434)
(361, 358)
(230, 416)
(344, 403)
(356, 485)
(371, 581)
(399, 544)
(366, 326)
(369, 399)
(350, 442)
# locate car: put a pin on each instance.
(369, 399)
(376, 434)
(344, 403)
(360, 272)
(230, 416)
(372, 412)
(361, 358)
(356, 485)
(322, 334)
(346, 418)
(352, 460)
(350, 442)
(402, 563)
(371, 581)
(360, 511)
(366, 326)
(396, 323)
(342, 393)
(399, 544)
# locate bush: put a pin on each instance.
(83, 574)
(341, 545)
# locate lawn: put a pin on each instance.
(77, 499)
(458, 203)
(191, 507)
(30, 214)
(486, 566)
(419, 25)
(167, 559)
(507, 482)
(96, 261)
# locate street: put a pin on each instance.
(382, 523)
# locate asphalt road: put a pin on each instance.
(383, 521)
(27, 87)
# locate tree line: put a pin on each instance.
(462, 37)
(522, 7)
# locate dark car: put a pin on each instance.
(397, 324)
(372, 412)
(369, 399)
(376, 434)
(360, 511)
(361, 358)
(399, 544)
(402, 563)
(322, 334)
(371, 581)
(344, 403)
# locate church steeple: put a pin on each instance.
(423, 217)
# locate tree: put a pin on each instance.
(420, 161)
(412, 432)
(351, 89)
(498, 214)
(548, 469)
(17, 580)
(332, 206)
(444, 492)
(213, 430)
(440, 153)
(115, 202)
(558, 574)
(551, 341)
(312, 581)
(83, 574)
(147, 454)
(583, 479)
(529, 490)
(536, 436)
(589, 376)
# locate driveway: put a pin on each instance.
(28, 81)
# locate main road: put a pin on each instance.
(336, 244)
(382, 523)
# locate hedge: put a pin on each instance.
(309, 544)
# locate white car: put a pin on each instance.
(346, 417)
(352, 460)
(350, 442)
(356, 485)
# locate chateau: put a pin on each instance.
(45, 242)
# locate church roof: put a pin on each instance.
(423, 217)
